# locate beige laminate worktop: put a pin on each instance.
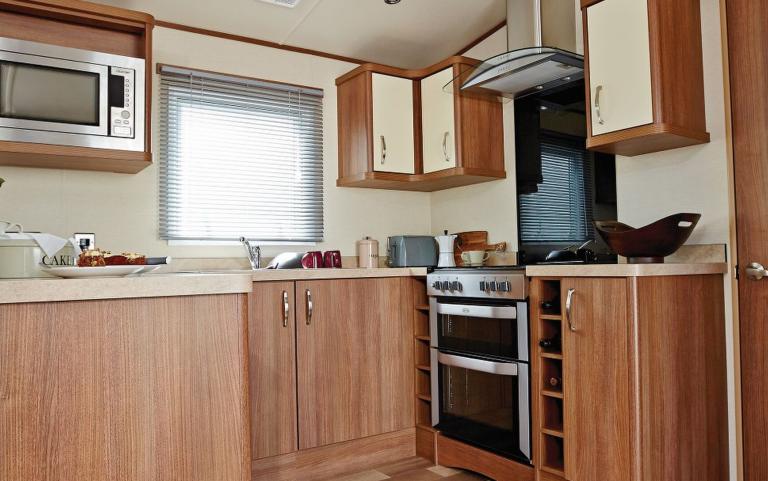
(626, 270)
(13, 291)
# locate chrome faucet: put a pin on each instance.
(254, 253)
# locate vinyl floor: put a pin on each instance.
(412, 469)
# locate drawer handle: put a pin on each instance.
(286, 309)
(383, 149)
(598, 90)
(445, 146)
(568, 305)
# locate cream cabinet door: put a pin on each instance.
(393, 140)
(437, 122)
(619, 65)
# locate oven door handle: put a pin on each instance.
(490, 312)
(490, 367)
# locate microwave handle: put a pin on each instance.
(490, 312)
(490, 367)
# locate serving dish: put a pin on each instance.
(651, 243)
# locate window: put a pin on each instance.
(239, 157)
(561, 209)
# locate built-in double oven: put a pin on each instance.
(480, 369)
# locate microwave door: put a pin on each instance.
(53, 95)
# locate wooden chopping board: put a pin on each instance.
(476, 240)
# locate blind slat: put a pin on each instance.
(239, 158)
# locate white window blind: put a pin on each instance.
(561, 210)
(239, 157)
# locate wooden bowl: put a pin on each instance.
(649, 244)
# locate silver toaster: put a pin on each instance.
(411, 251)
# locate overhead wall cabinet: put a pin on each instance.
(398, 129)
(97, 143)
(644, 75)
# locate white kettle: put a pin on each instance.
(445, 246)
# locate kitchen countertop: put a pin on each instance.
(626, 270)
(14, 291)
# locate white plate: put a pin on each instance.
(148, 269)
(105, 271)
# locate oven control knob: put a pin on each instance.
(459, 286)
(492, 286)
(505, 286)
(483, 286)
(436, 285)
(456, 286)
(445, 285)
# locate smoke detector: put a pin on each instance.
(283, 3)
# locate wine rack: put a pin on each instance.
(425, 433)
(547, 330)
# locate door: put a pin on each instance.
(619, 63)
(272, 369)
(355, 359)
(596, 380)
(393, 139)
(747, 37)
(438, 122)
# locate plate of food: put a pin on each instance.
(97, 263)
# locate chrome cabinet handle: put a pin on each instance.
(756, 271)
(286, 309)
(445, 146)
(310, 307)
(568, 305)
(481, 365)
(383, 149)
(598, 90)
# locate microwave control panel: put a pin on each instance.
(122, 102)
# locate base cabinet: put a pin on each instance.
(124, 390)
(331, 361)
(638, 390)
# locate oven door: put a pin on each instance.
(482, 328)
(53, 95)
(482, 402)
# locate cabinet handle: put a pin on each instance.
(598, 90)
(309, 307)
(286, 309)
(568, 304)
(383, 149)
(445, 146)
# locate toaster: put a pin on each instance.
(411, 251)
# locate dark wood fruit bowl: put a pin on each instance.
(649, 244)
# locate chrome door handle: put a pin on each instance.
(756, 271)
(481, 365)
(286, 309)
(310, 307)
(383, 149)
(445, 146)
(568, 305)
(598, 90)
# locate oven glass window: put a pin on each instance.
(479, 336)
(482, 409)
(48, 94)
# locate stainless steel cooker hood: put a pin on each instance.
(543, 38)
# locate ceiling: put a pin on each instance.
(411, 34)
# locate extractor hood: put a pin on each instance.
(543, 38)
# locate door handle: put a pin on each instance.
(445, 146)
(568, 306)
(481, 365)
(598, 90)
(756, 271)
(286, 309)
(383, 149)
(310, 307)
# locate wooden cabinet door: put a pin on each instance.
(272, 355)
(619, 64)
(355, 359)
(438, 124)
(124, 390)
(393, 139)
(596, 357)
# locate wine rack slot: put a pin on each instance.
(552, 414)
(552, 375)
(553, 454)
(549, 301)
(425, 437)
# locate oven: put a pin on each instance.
(479, 365)
(67, 96)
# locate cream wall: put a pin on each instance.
(122, 209)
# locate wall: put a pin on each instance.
(122, 209)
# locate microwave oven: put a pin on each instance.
(67, 96)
